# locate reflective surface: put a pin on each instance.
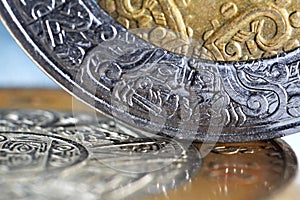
(256, 170)
(55, 155)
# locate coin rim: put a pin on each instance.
(54, 71)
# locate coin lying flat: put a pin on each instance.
(234, 171)
(216, 30)
(151, 89)
(56, 155)
(61, 155)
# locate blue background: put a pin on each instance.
(16, 68)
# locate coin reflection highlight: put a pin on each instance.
(255, 170)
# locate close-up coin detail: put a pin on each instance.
(215, 30)
(161, 100)
(56, 155)
(151, 89)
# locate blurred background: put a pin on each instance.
(16, 68)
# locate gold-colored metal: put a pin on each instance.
(215, 30)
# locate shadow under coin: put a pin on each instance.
(251, 171)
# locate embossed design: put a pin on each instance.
(105, 153)
(65, 27)
(230, 150)
(180, 90)
(257, 92)
(158, 91)
(101, 137)
(160, 22)
(37, 152)
(171, 90)
(245, 36)
(238, 30)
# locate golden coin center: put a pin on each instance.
(215, 30)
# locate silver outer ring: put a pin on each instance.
(95, 59)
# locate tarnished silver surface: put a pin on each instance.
(151, 89)
(56, 155)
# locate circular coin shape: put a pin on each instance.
(34, 152)
(151, 89)
(80, 157)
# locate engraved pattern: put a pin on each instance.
(67, 28)
(264, 89)
(178, 89)
(174, 89)
(104, 153)
(26, 146)
(37, 152)
(238, 30)
(116, 70)
(244, 37)
(160, 22)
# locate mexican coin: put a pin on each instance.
(217, 30)
(154, 90)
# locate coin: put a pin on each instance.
(216, 30)
(151, 89)
(254, 170)
(55, 155)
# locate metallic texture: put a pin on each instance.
(151, 89)
(216, 30)
(61, 155)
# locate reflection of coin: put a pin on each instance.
(219, 30)
(238, 170)
(76, 157)
(34, 152)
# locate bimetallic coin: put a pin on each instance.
(234, 171)
(153, 90)
(216, 30)
(56, 155)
